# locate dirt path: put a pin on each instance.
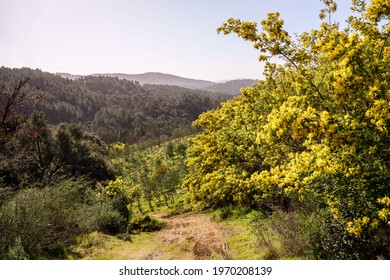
(197, 234)
(190, 236)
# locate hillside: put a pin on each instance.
(114, 109)
(161, 79)
(230, 87)
(68, 75)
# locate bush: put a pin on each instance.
(335, 242)
(317, 125)
(36, 221)
(5, 194)
(111, 221)
(225, 212)
(289, 235)
(146, 224)
(115, 214)
(16, 252)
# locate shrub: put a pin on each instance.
(115, 214)
(335, 242)
(292, 234)
(16, 252)
(110, 220)
(146, 224)
(317, 125)
(36, 221)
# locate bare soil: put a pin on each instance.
(198, 234)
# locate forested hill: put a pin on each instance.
(230, 87)
(115, 109)
(161, 79)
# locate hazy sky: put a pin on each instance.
(135, 36)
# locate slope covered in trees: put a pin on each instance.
(156, 78)
(232, 87)
(114, 109)
(314, 135)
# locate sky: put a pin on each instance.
(136, 36)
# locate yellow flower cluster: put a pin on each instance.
(112, 189)
(384, 213)
(379, 114)
(118, 146)
(356, 226)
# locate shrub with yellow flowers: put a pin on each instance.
(115, 201)
(317, 126)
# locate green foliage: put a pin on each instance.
(33, 152)
(80, 153)
(41, 210)
(291, 234)
(5, 194)
(145, 224)
(225, 212)
(334, 241)
(16, 252)
(151, 174)
(36, 221)
(115, 214)
(317, 126)
(110, 220)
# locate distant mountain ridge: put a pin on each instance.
(161, 79)
(231, 87)
(68, 76)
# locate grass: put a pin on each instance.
(100, 246)
(282, 235)
(286, 235)
(242, 240)
(177, 207)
